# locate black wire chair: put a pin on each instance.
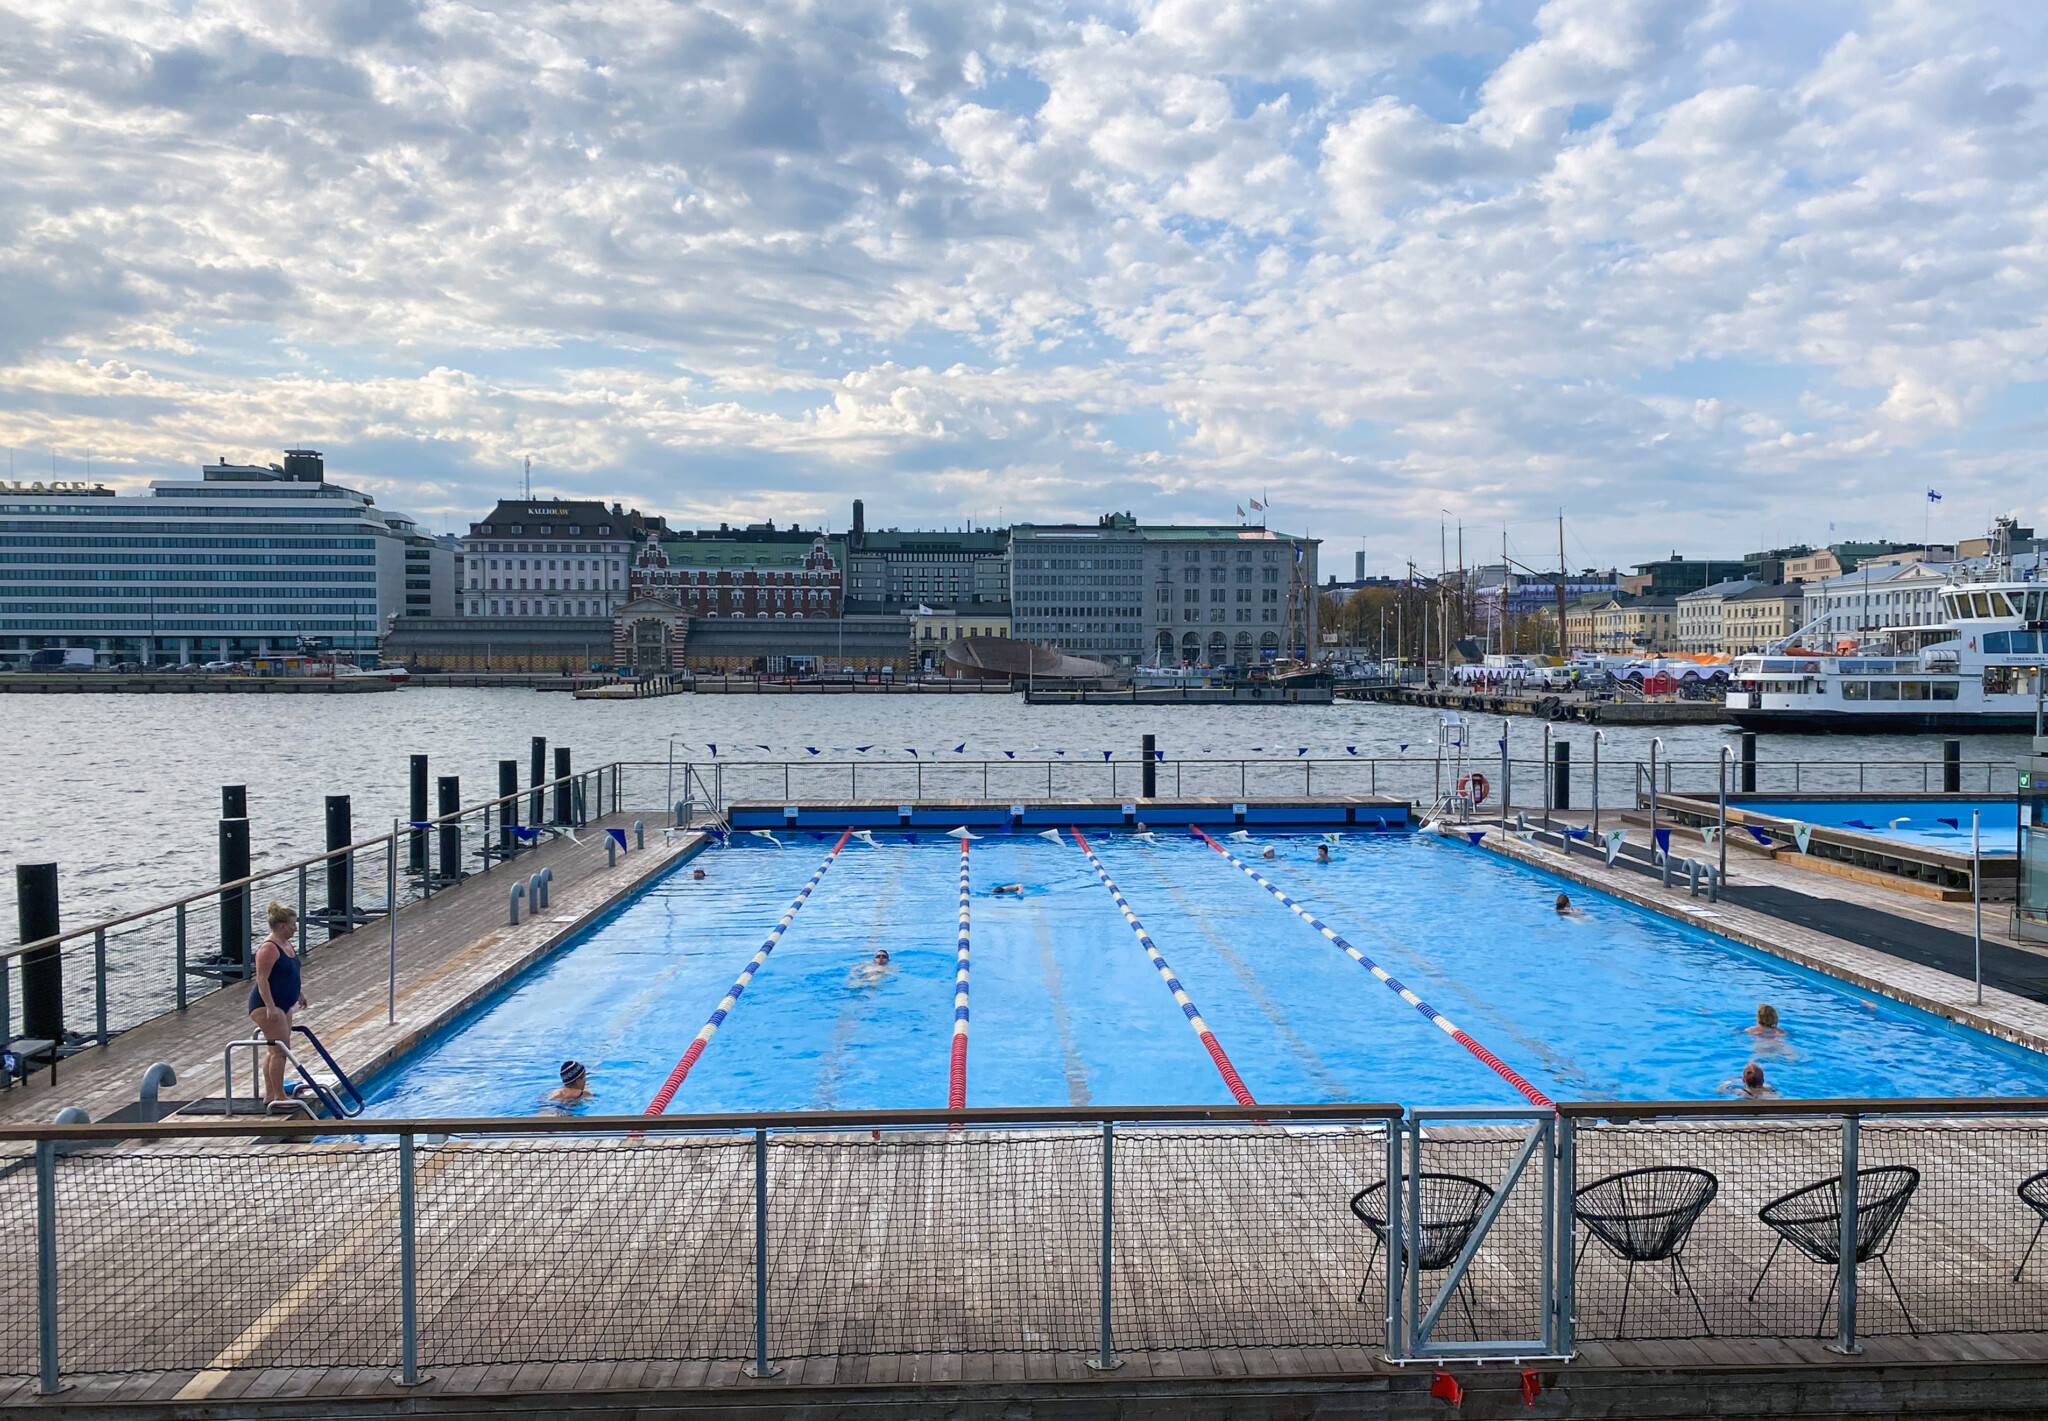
(1451, 1206)
(1810, 1219)
(2034, 1194)
(1645, 1216)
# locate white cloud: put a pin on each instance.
(1638, 259)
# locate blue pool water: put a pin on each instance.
(1611, 1002)
(1941, 824)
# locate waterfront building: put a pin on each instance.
(246, 560)
(1225, 596)
(1699, 616)
(1757, 616)
(1876, 596)
(1081, 587)
(1621, 625)
(890, 571)
(1667, 577)
(550, 557)
(932, 629)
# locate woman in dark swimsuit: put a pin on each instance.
(276, 995)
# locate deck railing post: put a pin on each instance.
(1106, 1359)
(408, 1272)
(760, 1367)
(181, 962)
(48, 1382)
(1845, 1313)
(99, 985)
(1396, 1240)
(1563, 1327)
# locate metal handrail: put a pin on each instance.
(768, 1120)
(1905, 1105)
(214, 890)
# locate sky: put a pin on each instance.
(1706, 276)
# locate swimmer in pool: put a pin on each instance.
(1269, 854)
(575, 1087)
(696, 873)
(1766, 1028)
(1754, 1086)
(1564, 905)
(871, 973)
(1008, 888)
(1322, 853)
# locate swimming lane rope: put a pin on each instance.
(1499, 1067)
(956, 1086)
(1180, 994)
(731, 999)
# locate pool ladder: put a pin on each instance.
(339, 1098)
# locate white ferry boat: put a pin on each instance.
(1976, 670)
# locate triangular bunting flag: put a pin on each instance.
(1710, 832)
(1527, 836)
(1762, 836)
(1475, 835)
(1800, 834)
(1663, 839)
(618, 836)
(1615, 839)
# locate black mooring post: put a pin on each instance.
(341, 896)
(234, 801)
(1951, 767)
(417, 843)
(1561, 775)
(1151, 775)
(234, 902)
(1749, 762)
(508, 806)
(539, 811)
(42, 971)
(562, 815)
(450, 791)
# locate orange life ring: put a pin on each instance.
(1474, 785)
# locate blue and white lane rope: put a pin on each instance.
(1180, 994)
(731, 999)
(1444, 1023)
(956, 1085)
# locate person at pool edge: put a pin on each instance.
(575, 1087)
(871, 973)
(275, 997)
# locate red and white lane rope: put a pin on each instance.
(731, 999)
(956, 1085)
(1180, 994)
(1450, 1028)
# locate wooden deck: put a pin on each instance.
(453, 949)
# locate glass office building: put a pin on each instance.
(247, 560)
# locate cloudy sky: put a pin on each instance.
(1705, 275)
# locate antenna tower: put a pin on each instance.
(529, 478)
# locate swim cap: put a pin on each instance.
(572, 1071)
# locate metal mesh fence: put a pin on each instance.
(227, 1257)
(585, 1250)
(1953, 1260)
(966, 1241)
(1243, 1238)
(1461, 1168)
(18, 1259)
(1669, 1243)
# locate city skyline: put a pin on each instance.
(1703, 276)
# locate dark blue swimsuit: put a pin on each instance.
(284, 984)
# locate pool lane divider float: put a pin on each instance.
(1499, 1067)
(731, 999)
(1180, 994)
(956, 1084)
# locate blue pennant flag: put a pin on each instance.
(961, 748)
(714, 748)
(618, 836)
(524, 834)
(1159, 754)
(1576, 833)
(1663, 838)
(769, 748)
(421, 823)
(910, 752)
(1301, 752)
(1107, 753)
(863, 749)
(1475, 835)
(1009, 754)
(910, 838)
(1404, 749)
(1762, 836)
(810, 749)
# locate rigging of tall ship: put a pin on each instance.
(1977, 668)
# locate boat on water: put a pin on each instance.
(1977, 669)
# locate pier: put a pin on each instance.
(171, 683)
(1575, 706)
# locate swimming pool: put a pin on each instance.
(1931, 823)
(1611, 1001)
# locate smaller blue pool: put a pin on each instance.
(1935, 823)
